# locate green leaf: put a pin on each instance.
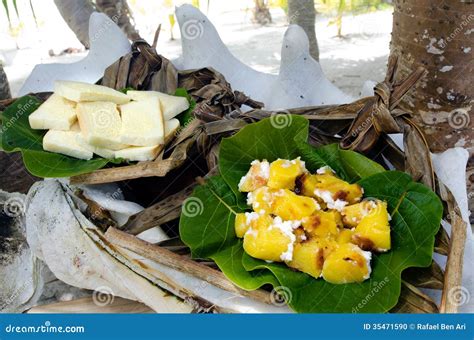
(186, 116)
(7, 11)
(207, 227)
(18, 136)
(416, 214)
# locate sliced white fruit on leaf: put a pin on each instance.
(139, 153)
(100, 124)
(65, 142)
(142, 123)
(102, 152)
(171, 106)
(83, 92)
(56, 113)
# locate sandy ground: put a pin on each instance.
(360, 55)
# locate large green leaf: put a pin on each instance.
(415, 210)
(18, 136)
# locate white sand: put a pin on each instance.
(349, 61)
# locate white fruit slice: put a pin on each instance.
(171, 126)
(171, 106)
(56, 113)
(100, 124)
(83, 92)
(65, 142)
(142, 123)
(139, 153)
(146, 153)
(102, 152)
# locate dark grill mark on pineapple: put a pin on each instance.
(320, 258)
(341, 195)
(299, 184)
(363, 243)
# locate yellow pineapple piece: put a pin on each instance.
(345, 236)
(373, 231)
(241, 225)
(261, 200)
(322, 223)
(353, 214)
(283, 173)
(329, 189)
(256, 177)
(347, 264)
(290, 206)
(270, 239)
(308, 257)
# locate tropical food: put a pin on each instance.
(315, 223)
(85, 119)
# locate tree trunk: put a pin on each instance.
(303, 13)
(261, 13)
(120, 13)
(4, 87)
(439, 35)
(76, 13)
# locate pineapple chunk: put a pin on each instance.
(283, 173)
(330, 191)
(240, 224)
(322, 224)
(347, 264)
(261, 200)
(56, 113)
(373, 231)
(290, 206)
(270, 239)
(256, 177)
(83, 92)
(308, 257)
(353, 214)
(100, 124)
(142, 123)
(345, 236)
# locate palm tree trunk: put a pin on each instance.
(120, 13)
(439, 35)
(261, 13)
(76, 13)
(303, 13)
(4, 87)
